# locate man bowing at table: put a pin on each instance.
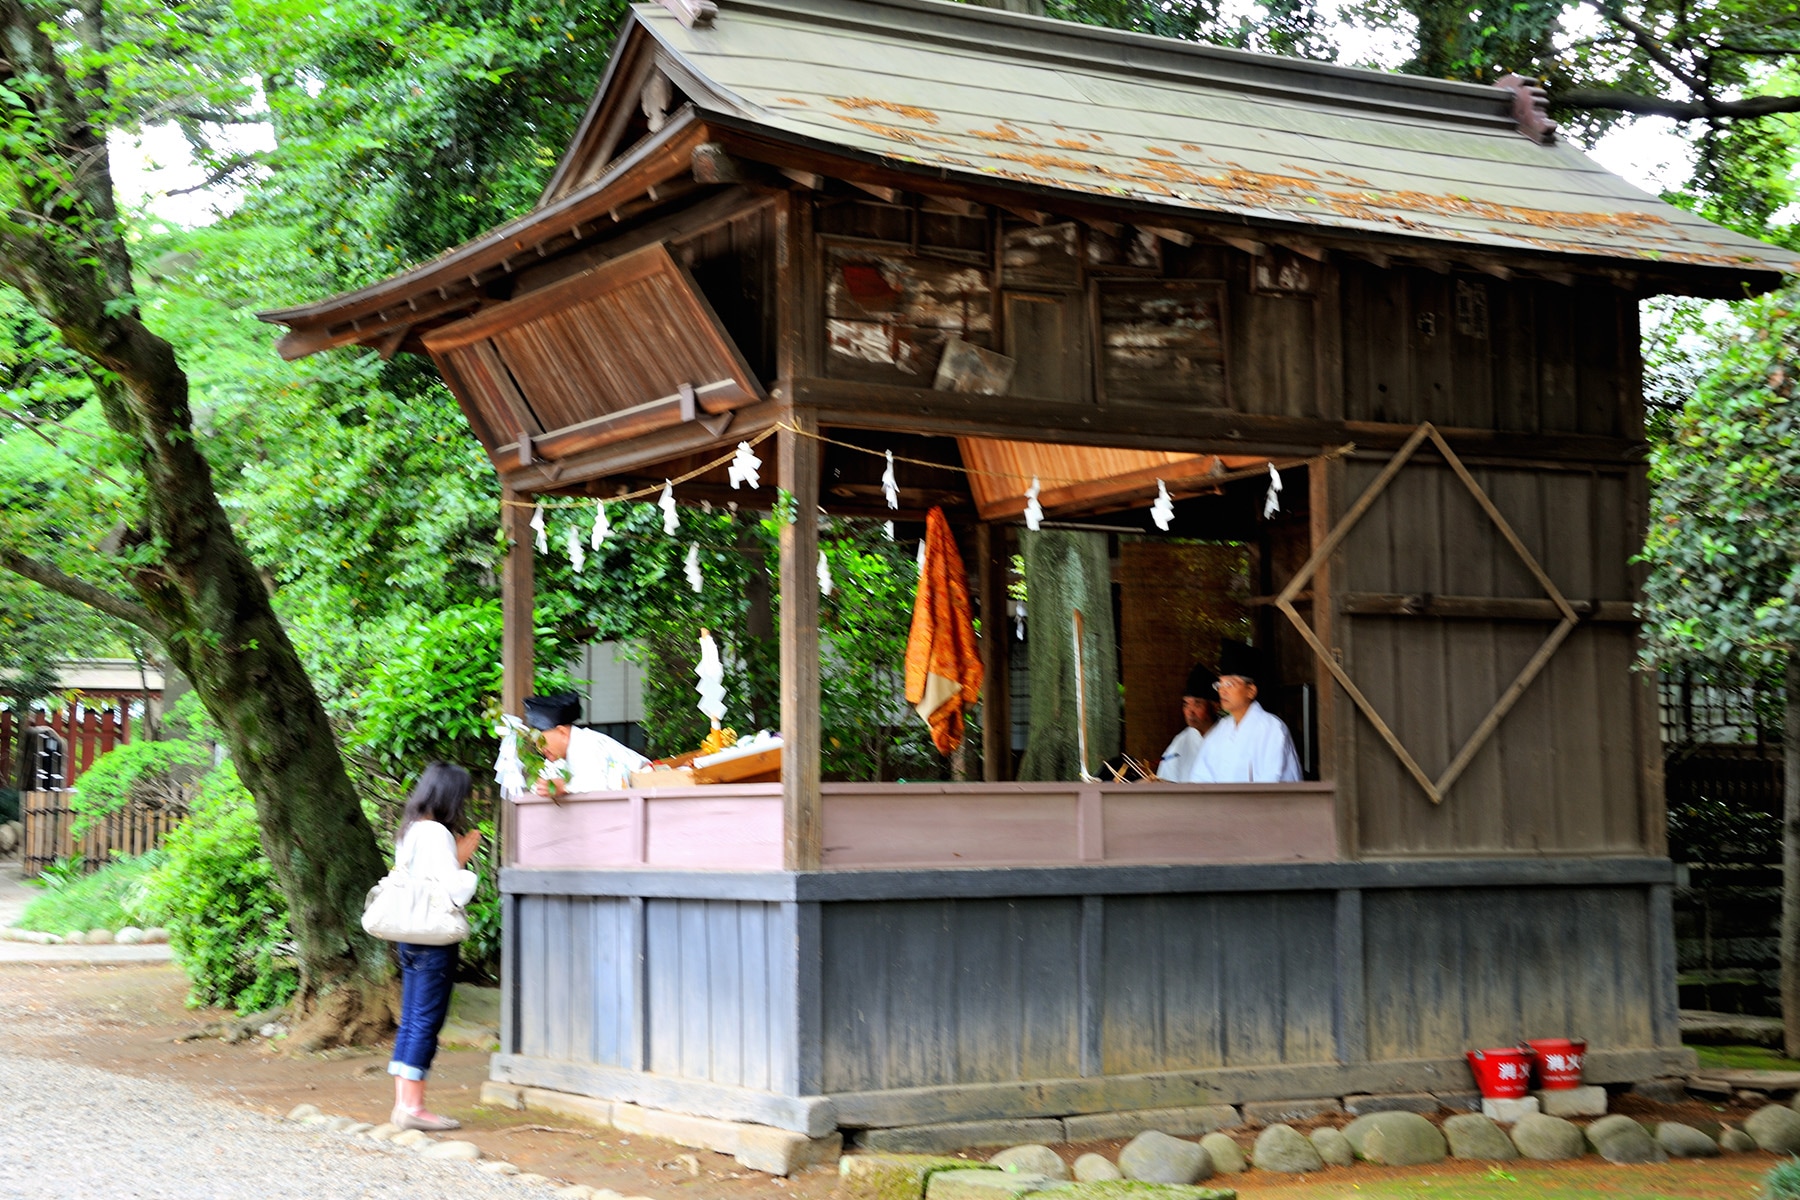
(595, 762)
(1249, 744)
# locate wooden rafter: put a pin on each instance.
(1433, 788)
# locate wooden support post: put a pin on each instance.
(802, 820)
(996, 709)
(517, 602)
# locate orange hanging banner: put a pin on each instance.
(943, 661)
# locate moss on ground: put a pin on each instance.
(1131, 1189)
(894, 1176)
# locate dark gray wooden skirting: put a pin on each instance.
(777, 886)
(1093, 974)
(509, 974)
(1048, 992)
(1350, 1015)
(811, 1115)
(1665, 1019)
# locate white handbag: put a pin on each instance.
(420, 911)
(404, 908)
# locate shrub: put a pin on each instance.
(111, 898)
(9, 804)
(227, 921)
(1783, 1182)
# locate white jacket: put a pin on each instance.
(428, 851)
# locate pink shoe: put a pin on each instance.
(425, 1122)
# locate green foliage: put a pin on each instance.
(1783, 1181)
(227, 921)
(113, 897)
(60, 873)
(1712, 831)
(133, 768)
(1724, 538)
(429, 694)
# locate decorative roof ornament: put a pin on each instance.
(1531, 108)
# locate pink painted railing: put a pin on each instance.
(918, 825)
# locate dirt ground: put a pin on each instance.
(124, 1019)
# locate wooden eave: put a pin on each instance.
(450, 285)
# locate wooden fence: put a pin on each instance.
(50, 822)
(87, 730)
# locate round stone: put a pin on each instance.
(1031, 1160)
(131, 935)
(1684, 1141)
(1619, 1139)
(1096, 1168)
(99, 937)
(1283, 1148)
(1736, 1141)
(302, 1111)
(454, 1151)
(155, 937)
(1548, 1139)
(1472, 1135)
(1776, 1129)
(1227, 1157)
(1153, 1157)
(500, 1167)
(1334, 1147)
(1402, 1139)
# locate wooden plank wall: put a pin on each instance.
(965, 992)
(1561, 773)
(716, 1003)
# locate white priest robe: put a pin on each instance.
(1180, 763)
(1253, 749)
(597, 763)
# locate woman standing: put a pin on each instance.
(434, 845)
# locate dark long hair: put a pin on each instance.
(441, 795)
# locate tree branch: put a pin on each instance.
(1648, 42)
(1680, 110)
(76, 589)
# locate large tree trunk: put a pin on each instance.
(1790, 859)
(201, 595)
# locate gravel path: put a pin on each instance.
(75, 1131)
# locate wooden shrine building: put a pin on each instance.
(1408, 294)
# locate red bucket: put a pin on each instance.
(1558, 1062)
(1501, 1074)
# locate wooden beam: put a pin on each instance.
(925, 411)
(1482, 608)
(953, 205)
(886, 194)
(517, 604)
(802, 809)
(639, 452)
(811, 180)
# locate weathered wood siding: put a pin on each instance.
(1561, 774)
(698, 991)
(1471, 352)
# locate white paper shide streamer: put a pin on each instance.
(1019, 619)
(824, 573)
(921, 556)
(1034, 513)
(537, 523)
(577, 559)
(1272, 502)
(889, 526)
(711, 674)
(601, 527)
(890, 487)
(509, 772)
(666, 502)
(743, 467)
(1163, 511)
(693, 566)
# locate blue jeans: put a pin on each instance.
(426, 974)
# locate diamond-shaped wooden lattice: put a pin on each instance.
(1434, 788)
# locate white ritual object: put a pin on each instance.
(509, 771)
(824, 574)
(671, 522)
(711, 673)
(1272, 502)
(537, 523)
(1163, 511)
(1034, 513)
(601, 527)
(890, 487)
(744, 467)
(576, 557)
(693, 566)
